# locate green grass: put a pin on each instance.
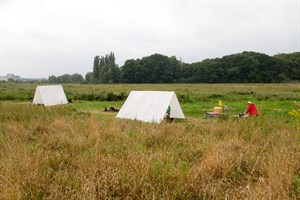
(77, 151)
(274, 100)
(198, 109)
(185, 92)
(96, 105)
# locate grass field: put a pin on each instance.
(77, 151)
(196, 99)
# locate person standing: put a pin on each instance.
(168, 113)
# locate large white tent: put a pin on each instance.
(50, 95)
(150, 106)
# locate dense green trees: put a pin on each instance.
(89, 77)
(66, 78)
(105, 69)
(152, 69)
(292, 57)
(245, 67)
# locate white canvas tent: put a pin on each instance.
(150, 106)
(49, 95)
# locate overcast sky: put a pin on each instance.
(40, 38)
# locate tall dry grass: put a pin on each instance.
(59, 153)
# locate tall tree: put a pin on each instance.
(108, 69)
(96, 70)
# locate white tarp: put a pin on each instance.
(150, 106)
(50, 95)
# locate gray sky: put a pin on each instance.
(40, 38)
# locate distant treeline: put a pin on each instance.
(66, 78)
(246, 67)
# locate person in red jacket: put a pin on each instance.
(251, 110)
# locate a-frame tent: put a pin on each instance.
(50, 95)
(150, 106)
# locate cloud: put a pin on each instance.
(41, 38)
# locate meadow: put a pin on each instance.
(77, 151)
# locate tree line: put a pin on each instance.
(245, 67)
(66, 78)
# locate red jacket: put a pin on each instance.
(252, 110)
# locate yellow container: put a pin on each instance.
(217, 110)
(220, 103)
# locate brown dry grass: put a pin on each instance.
(59, 153)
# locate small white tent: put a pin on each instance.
(49, 95)
(150, 106)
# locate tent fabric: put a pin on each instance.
(150, 106)
(50, 95)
